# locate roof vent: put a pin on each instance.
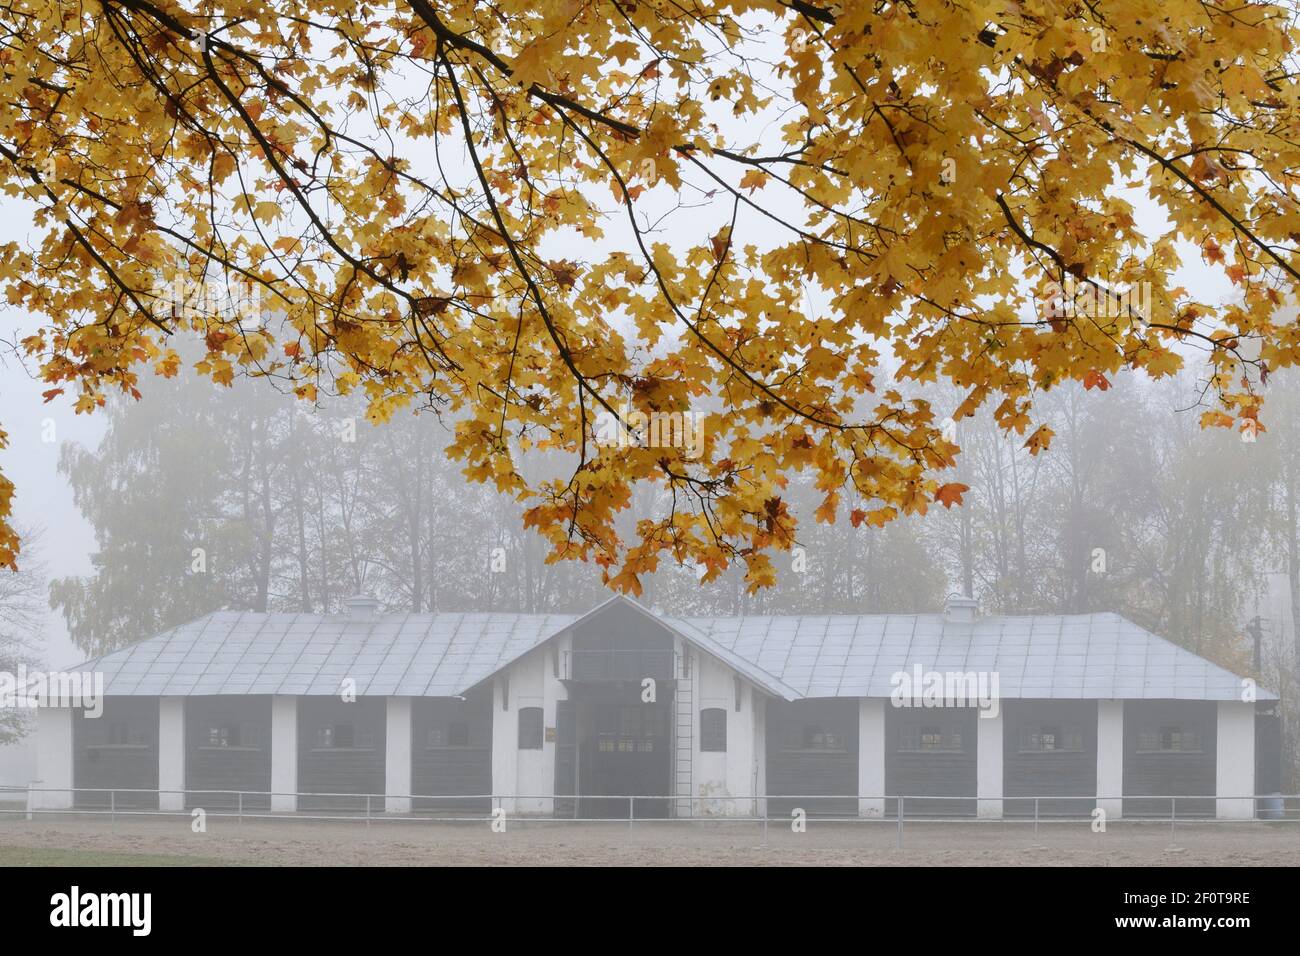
(361, 608)
(960, 609)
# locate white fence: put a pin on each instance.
(640, 809)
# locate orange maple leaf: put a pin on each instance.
(950, 494)
(1095, 379)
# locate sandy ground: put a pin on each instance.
(549, 843)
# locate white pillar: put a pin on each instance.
(758, 788)
(53, 759)
(284, 753)
(1234, 777)
(397, 756)
(505, 744)
(553, 691)
(1110, 758)
(988, 766)
(871, 757)
(171, 754)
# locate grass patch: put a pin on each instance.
(48, 856)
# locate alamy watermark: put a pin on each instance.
(922, 688)
(1088, 299)
(234, 300)
(133, 911)
(33, 689)
(633, 428)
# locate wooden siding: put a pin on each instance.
(1029, 773)
(619, 643)
(1268, 751)
(446, 764)
(799, 765)
(246, 766)
(1169, 773)
(341, 770)
(930, 774)
(117, 749)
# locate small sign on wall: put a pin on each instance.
(550, 735)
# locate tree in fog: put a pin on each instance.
(22, 606)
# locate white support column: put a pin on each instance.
(284, 754)
(505, 744)
(397, 756)
(53, 759)
(1110, 758)
(988, 769)
(758, 702)
(171, 754)
(1234, 777)
(553, 691)
(871, 757)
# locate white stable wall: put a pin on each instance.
(171, 754)
(397, 756)
(1235, 761)
(871, 756)
(1110, 757)
(526, 778)
(53, 758)
(988, 765)
(724, 783)
(284, 753)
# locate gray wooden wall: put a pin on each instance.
(442, 766)
(104, 755)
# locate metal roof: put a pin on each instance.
(446, 654)
(1076, 656)
(399, 655)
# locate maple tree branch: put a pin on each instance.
(538, 299)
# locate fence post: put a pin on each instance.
(1035, 819)
(112, 806)
(1173, 816)
(900, 821)
(241, 805)
(367, 809)
(631, 812)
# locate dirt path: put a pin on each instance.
(310, 843)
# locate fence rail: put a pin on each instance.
(892, 809)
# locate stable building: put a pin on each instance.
(625, 710)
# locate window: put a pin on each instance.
(343, 737)
(799, 736)
(713, 730)
(242, 736)
(631, 729)
(1051, 738)
(118, 734)
(1169, 740)
(459, 734)
(530, 728)
(930, 738)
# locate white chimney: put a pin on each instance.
(960, 609)
(361, 608)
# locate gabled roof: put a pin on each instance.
(705, 641)
(444, 655)
(1042, 656)
(400, 655)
